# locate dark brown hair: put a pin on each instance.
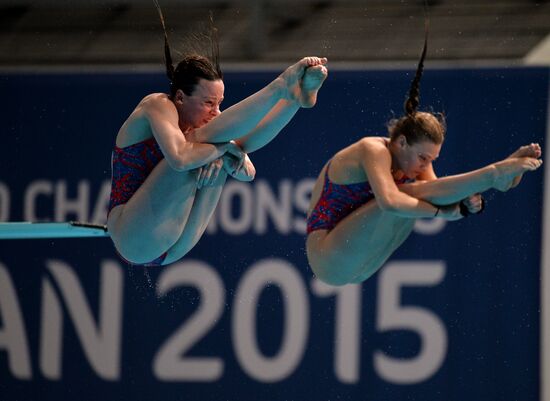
(415, 125)
(193, 66)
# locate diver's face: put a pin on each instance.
(415, 159)
(202, 105)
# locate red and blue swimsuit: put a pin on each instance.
(339, 200)
(130, 166)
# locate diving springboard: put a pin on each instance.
(37, 230)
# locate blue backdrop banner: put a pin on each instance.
(453, 315)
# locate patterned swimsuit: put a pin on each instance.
(339, 200)
(130, 166)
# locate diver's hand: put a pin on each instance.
(209, 173)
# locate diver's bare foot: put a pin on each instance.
(509, 169)
(293, 81)
(311, 83)
(532, 150)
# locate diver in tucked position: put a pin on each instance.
(368, 195)
(174, 152)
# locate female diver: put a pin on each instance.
(174, 152)
(367, 197)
